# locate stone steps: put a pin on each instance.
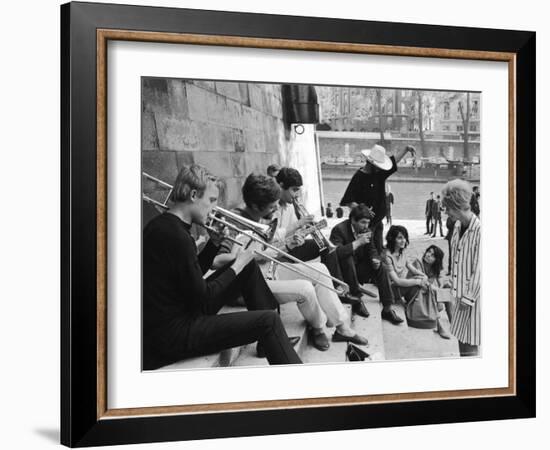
(335, 353)
(404, 342)
(371, 327)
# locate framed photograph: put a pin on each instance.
(273, 224)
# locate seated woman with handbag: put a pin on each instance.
(418, 283)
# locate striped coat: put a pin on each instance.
(466, 282)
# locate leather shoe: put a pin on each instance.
(260, 350)
(350, 299)
(356, 339)
(391, 316)
(318, 340)
(360, 309)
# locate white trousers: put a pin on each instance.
(324, 297)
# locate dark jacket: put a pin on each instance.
(370, 189)
(428, 209)
(342, 236)
(436, 209)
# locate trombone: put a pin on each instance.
(255, 231)
(259, 232)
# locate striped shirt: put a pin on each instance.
(466, 277)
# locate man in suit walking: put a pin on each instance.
(428, 213)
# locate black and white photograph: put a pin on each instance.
(308, 224)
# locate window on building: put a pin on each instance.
(473, 127)
(459, 128)
(446, 111)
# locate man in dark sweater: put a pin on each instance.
(180, 307)
(353, 237)
(367, 185)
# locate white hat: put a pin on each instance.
(377, 156)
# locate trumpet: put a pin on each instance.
(314, 229)
(257, 232)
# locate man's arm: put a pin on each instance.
(399, 154)
(343, 247)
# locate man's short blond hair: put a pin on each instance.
(193, 177)
(456, 195)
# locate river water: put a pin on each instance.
(409, 197)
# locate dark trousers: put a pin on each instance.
(468, 349)
(429, 224)
(378, 236)
(437, 220)
(205, 334)
(365, 273)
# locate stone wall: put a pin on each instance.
(231, 128)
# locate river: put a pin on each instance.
(410, 197)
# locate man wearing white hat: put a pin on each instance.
(368, 185)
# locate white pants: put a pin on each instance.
(327, 299)
(303, 293)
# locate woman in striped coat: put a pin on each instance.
(465, 266)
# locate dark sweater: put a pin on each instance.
(174, 291)
(370, 189)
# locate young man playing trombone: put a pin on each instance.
(307, 284)
(180, 307)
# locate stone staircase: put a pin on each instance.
(386, 341)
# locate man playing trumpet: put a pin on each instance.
(315, 301)
(291, 222)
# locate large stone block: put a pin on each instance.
(238, 164)
(177, 96)
(162, 165)
(233, 114)
(232, 196)
(238, 140)
(197, 100)
(210, 85)
(256, 97)
(185, 159)
(229, 89)
(214, 138)
(219, 163)
(257, 162)
(149, 138)
(254, 141)
(250, 118)
(245, 95)
(154, 94)
(176, 134)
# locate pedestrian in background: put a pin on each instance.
(436, 216)
(389, 204)
(428, 213)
